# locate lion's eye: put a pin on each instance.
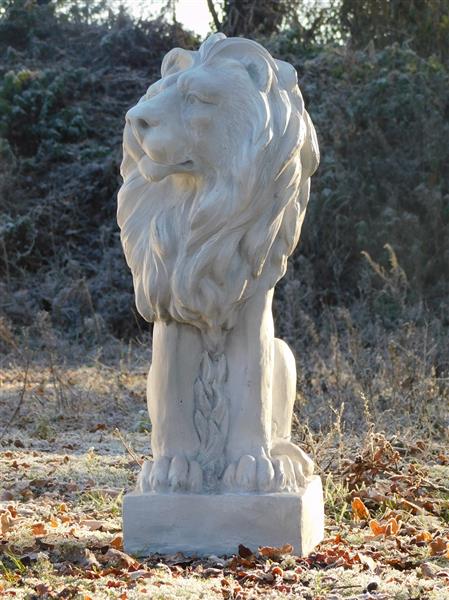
(195, 99)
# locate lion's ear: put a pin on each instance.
(260, 72)
(176, 60)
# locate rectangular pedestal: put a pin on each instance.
(204, 524)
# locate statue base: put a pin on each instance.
(203, 524)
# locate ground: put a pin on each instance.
(73, 433)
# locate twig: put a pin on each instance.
(435, 486)
(214, 14)
(128, 448)
(21, 397)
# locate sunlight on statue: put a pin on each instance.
(218, 156)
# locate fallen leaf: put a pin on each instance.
(359, 509)
(245, 552)
(117, 542)
(273, 552)
(42, 589)
(88, 558)
(140, 574)
(92, 524)
(5, 523)
(391, 527)
(427, 570)
(38, 529)
(438, 546)
(423, 536)
(114, 584)
(6, 495)
(118, 558)
(66, 519)
(376, 527)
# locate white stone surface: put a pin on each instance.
(218, 156)
(204, 524)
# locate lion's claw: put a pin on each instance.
(175, 474)
(262, 474)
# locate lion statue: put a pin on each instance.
(217, 160)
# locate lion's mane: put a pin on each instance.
(198, 250)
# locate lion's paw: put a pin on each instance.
(164, 474)
(264, 475)
(250, 474)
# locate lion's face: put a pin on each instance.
(194, 122)
(217, 158)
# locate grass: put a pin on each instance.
(373, 432)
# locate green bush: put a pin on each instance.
(36, 108)
(382, 122)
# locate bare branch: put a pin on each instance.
(214, 14)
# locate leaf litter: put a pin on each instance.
(387, 529)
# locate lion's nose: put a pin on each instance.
(140, 122)
(143, 123)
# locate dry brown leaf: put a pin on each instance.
(376, 527)
(438, 546)
(423, 536)
(38, 529)
(5, 523)
(119, 559)
(393, 526)
(92, 524)
(245, 552)
(273, 552)
(359, 510)
(42, 589)
(117, 542)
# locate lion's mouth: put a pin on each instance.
(184, 164)
(155, 171)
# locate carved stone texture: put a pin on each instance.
(218, 156)
(216, 524)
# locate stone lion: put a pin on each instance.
(218, 156)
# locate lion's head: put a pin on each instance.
(217, 160)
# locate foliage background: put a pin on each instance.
(374, 256)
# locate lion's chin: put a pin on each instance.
(153, 171)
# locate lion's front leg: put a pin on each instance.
(249, 350)
(177, 352)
